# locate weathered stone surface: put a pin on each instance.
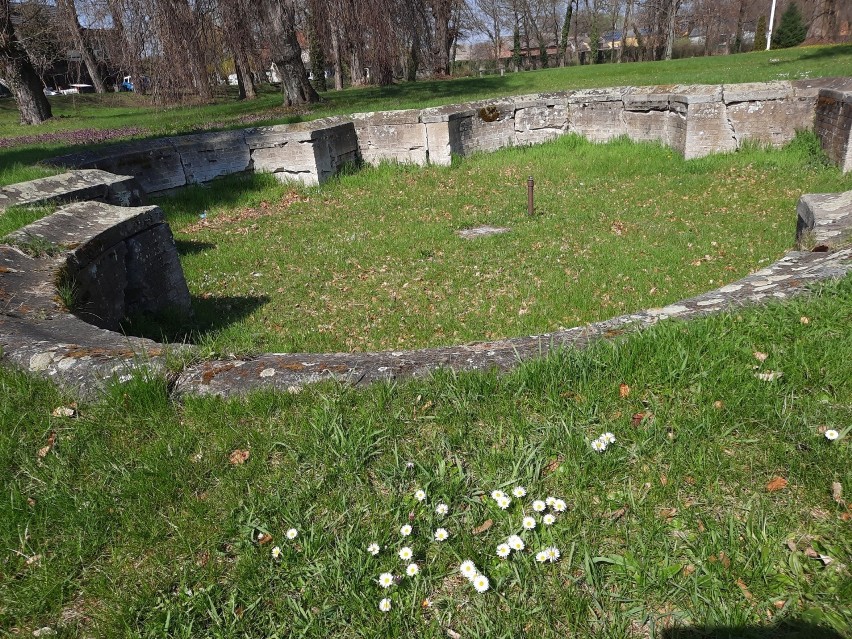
(756, 92)
(597, 114)
(772, 122)
(310, 153)
(121, 261)
(396, 136)
(478, 132)
(439, 136)
(84, 184)
(708, 130)
(536, 124)
(833, 125)
(206, 156)
(824, 220)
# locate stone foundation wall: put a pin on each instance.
(833, 125)
(695, 120)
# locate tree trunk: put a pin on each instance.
(624, 24)
(738, 40)
(17, 69)
(670, 32)
(295, 85)
(442, 13)
(824, 22)
(68, 13)
(338, 67)
(244, 79)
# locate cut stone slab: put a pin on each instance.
(826, 218)
(482, 231)
(83, 184)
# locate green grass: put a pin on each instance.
(135, 524)
(122, 110)
(15, 217)
(372, 261)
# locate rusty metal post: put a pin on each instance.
(530, 198)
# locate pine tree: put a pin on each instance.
(516, 49)
(760, 35)
(792, 30)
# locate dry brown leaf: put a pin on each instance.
(623, 390)
(668, 513)
(746, 593)
(615, 515)
(775, 484)
(34, 559)
(837, 492)
(791, 545)
(44, 450)
(760, 357)
(263, 538)
(689, 479)
(718, 404)
(552, 466)
(804, 319)
(726, 561)
(486, 525)
(31, 502)
(636, 420)
(65, 411)
(452, 634)
(779, 604)
(238, 457)
(664, 480)
(688, 569)
(847, 515)
(819, 514)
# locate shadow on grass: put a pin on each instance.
(789, 630)
(190, 247)
(211, 314)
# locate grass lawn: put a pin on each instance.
(372, 261)
(76, 115)
(142, 517)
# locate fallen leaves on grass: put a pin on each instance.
(813, 554)
(746, 592)
(624, 390)
(775, 484)
(486, 525)
(769, 376)
(552, 466)
(239, 456)
(837, 492)
(44, 450)
(615, 515)
(65, 411)
(760, 357)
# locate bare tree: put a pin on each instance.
(68, 17)
(18, 71)
(287, 53)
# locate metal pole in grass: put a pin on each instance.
(530, 200)
(769, 30)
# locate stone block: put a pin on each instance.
(439, 137)
(708, 129)
(207, 156)
(756, 92)
(833, 125)
(539, 123)
(397, 136)
(772, 122)
(824, 219)
(597, 114)
(81, 184)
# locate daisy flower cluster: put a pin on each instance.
(406, 553)
(515, 543)
(602, 442)
(291, 534)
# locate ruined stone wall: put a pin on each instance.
(833, 125)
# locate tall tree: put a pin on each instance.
(626, 21)
(317, 54)
(444, 34)
(287, 53)
(18, 71)
(68, 15)
(760, 34)
(566, 28)
(672, 8)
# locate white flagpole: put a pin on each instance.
(771, 23)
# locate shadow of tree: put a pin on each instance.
(191, 247)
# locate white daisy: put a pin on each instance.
(412, 570)
(481, 583)
(559, 506)
(441, 534)
(607, 438)
(528, 523)
(386, 580)
(539, 505)
(292, 533)
(549, 501)
(373, 549)
(552, 554)
(276, 552)
(541, 556)
(504, 502)
(385, 605)
(548, 519)
(442, 509)
(420, 495)
(599, 446)
(468, 569)
(503, 551)
(831, 434)
(515, 543)
(405, 531)
(405, 553)
(496, 495)
(519, 491)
